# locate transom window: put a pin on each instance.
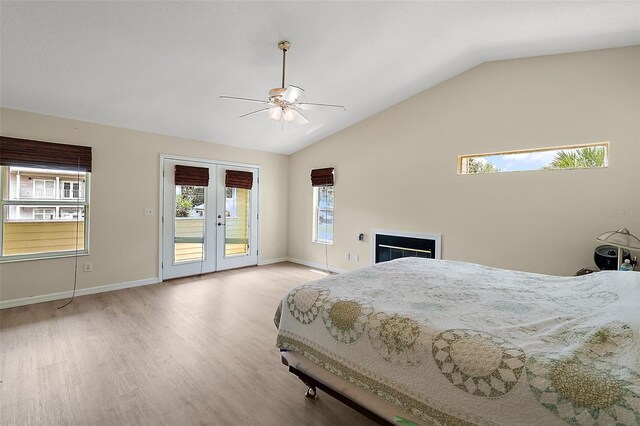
(585, 156)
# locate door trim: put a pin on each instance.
(160, 212)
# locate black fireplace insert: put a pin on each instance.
(389, 247)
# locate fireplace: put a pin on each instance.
(389, 245)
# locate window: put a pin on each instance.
(44, 214)
(72, 189)
(43, 225)
(44, 199)
(238, 184)
(323, 214)
(190, 201)
(231, 203)
(583, 156)
(322, 181)
(189, 223)
(44, 188)
(71, 213)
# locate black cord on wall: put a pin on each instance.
(75, 268)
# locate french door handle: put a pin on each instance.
(220, 224)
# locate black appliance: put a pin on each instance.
(606, 257)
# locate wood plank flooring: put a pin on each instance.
(184, 352)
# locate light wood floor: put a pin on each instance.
(188, 351)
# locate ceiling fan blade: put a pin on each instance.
(255, 112)
(292, 94)
(310, 106)
(245, 99)
(299, 117)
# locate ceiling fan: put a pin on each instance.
(283, 103)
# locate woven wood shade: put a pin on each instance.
(44, 155)
(192, 176)
(238, 179)
(322, 177)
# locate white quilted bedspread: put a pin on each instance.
(459, 343)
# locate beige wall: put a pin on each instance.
(125, 180)
(397, 170)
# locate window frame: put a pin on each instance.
(43, 203)
(316, 215)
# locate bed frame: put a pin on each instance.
(314, 384)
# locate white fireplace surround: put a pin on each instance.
(424, 236)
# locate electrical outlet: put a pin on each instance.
(347, 257)
(148, 211)
(357, 258)
(88, 266)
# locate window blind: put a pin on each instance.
(44, 155)
(238, 179)
(192, 176)
(322, 177)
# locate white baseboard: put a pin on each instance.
(271, 261)
(5, 304)
(79, 292)
(320, 266)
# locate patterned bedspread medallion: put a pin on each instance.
(477, 362)
(397, 339)
(306, 302)
(346, 319)
(583, 393)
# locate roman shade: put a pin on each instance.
(44, 155)
(322, 177)
(192, 176)
(238, 179)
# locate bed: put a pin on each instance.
(442, 342)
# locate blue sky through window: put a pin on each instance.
(521, 161)
(529, 160)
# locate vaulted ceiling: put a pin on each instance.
(161, 66)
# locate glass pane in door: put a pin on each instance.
(236, 238)
(189, 229)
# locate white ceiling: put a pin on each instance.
(161, 66)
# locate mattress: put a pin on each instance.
(458, 343)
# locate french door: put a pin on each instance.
(207, 228)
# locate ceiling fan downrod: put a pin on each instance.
(284, 45)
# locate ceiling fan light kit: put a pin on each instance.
(282, 105)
